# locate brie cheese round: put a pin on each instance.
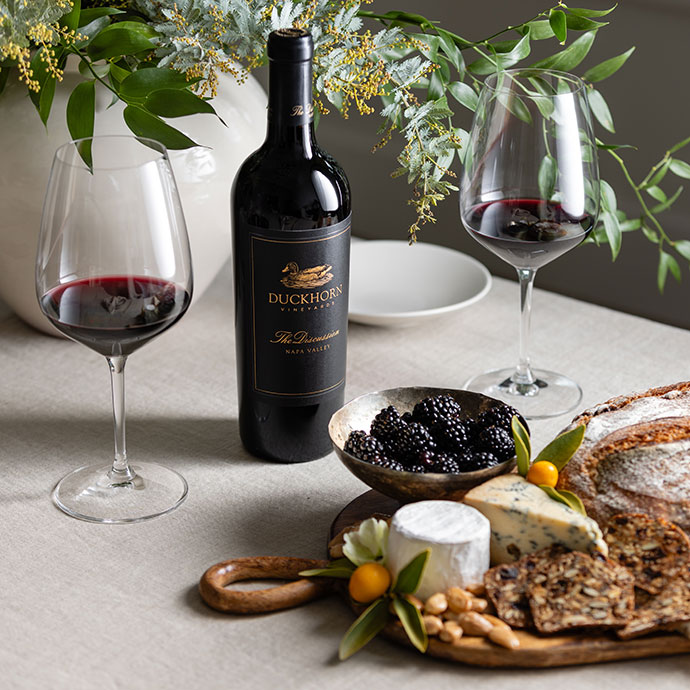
(457, 535)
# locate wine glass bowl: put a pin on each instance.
(113, 271)
(529, 194)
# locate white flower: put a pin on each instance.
(368, 543)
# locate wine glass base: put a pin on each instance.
(550, 396)
(90, 494)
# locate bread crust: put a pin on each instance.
(628, 470)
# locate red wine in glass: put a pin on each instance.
(527, 233)
(113, 270)
(115, 315)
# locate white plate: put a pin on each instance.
(394, 284)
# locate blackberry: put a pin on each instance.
(481, 461)
(386, 424)
(419, 469)
(501, 415)
(497, 440)
(407, 417)
(364, 447)
(414, 439)
(452, 434)
(391, 464)
(425, 459)
(447, 464)
(432, 409)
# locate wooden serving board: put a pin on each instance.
(535, 651)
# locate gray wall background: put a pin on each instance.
(649, 101)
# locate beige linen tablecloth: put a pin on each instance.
(86, 606)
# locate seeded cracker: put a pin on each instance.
(662, 611)
(655, 550)
(580, 591)
(506, 585)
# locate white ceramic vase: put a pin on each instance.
(204, 177)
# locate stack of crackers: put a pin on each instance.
(642, 587)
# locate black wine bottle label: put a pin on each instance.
(299, 297)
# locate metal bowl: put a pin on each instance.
(409, 486)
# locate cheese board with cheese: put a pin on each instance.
(570, 558)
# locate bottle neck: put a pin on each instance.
(290, 109)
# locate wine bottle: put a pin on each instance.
(291, 249)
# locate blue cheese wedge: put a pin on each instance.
(457, 535)
(525, 519)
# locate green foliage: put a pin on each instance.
(421, 72)
(364, 629)
(523, 447)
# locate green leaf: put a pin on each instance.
(523, 446)
(583, 12)
(175, 103)
(89, 15)
(484, 65)
(651, 234)
(683, 248)
(613, 233)
(576, 23)
(656, 193)
(139, 84)
(144, 124)
(548, 171)
(563, 447)
(43, 99)
(608, 67)
(679, 145)
(364, 629)
(539, 29)
(666, 263)
(680, 168)
(118, 39)
(520, 52)
(669, 202)
(340, 568)
(410, 576)
(90, 31)
(608, 196)
(630, 225)
(515, 105)
(558, 24)
(464, 94)
(70, 20)
(658, 176)
(566, 497)
(117, 74)
(600, 109)
(571, 57)
(412, 622)
(81, 110)
(435, 90)
(452, 51)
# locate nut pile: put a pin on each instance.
(460, 612)
(437, 436)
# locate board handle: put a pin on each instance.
(212, 585)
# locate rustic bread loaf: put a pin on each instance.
(635, 456)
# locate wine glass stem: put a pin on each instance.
(523, 374)
(120, 471)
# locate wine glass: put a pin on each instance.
(113, 271)
(530, 192)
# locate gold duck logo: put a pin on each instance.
(313, 277)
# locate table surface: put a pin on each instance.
(116, 606)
